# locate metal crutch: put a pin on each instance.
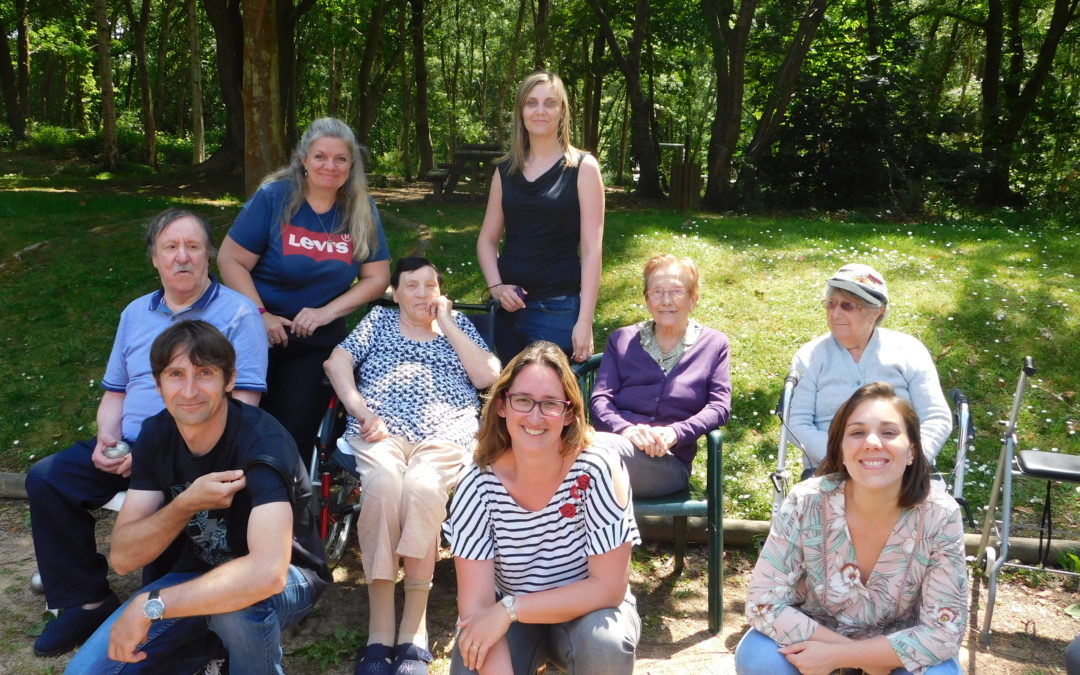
(781, 476)
(1003, 481)
(965, 432)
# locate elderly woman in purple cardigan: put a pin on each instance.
(662, 383)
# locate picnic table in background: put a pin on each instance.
(469, 159)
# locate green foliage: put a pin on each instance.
(331, 651)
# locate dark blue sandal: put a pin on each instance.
(411, 660)
(375, 660)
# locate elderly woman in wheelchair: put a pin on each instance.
(408, 378)
(855, 352)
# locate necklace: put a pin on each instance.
(322, 225)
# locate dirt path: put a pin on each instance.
(1031, 630)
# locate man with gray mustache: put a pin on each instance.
(63, 487)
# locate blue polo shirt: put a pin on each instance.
(147, 317)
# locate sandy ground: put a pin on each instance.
(1030, 628)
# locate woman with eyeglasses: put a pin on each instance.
(662, 382)
(541, 530)
(857, 351)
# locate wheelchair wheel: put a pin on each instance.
(342, 507)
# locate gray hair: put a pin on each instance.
(167, 217)
(352, 198)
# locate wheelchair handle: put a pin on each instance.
(1029, 366)
(958, 397)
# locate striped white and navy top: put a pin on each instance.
(540, 550)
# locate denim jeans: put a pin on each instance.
(649, 476)
(758, 654)
(251, 635)
(549, 319)
(602, 642)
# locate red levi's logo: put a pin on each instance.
(316, 245)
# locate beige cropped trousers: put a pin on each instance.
(405, 488)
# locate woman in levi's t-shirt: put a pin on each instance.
(307, 248)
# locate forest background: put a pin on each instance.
(913, 106)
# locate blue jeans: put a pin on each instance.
(602, 642)
(251, 635)
(649, 476)
(549, 319)
(758, 654)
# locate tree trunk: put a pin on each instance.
(369, 100)
(110, 150)
(198, 133)
(139, 25)
(228, 25)
(334, 70)
(22, 59)
(165, 27)
(501, 103)
(288, 16)
(593, 95)
(729, 40)
(264, 131)
(15, 119)
(776, 106)
(644, 145)
(540, 26)
(1003, 120)
(404, 140)
(423, 126)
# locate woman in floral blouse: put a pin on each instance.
(864, 565)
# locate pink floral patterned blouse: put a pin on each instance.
(807, 575)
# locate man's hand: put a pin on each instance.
(121, 466)
(129, 631)
(213, 490)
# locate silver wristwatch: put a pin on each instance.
(154, 607)
(508, 603)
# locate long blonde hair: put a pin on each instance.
(493, 439)
(519, 136)
(356, 209)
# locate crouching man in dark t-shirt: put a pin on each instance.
(228, 477)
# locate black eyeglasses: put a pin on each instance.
(525, 404)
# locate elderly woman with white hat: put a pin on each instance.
(857, 351)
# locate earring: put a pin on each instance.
(304, 172)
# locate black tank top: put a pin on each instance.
(542, 222)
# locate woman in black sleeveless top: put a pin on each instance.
(547, 197)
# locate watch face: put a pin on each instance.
(154, 608)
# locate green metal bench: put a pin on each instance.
(680, 505)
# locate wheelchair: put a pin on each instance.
(338, 489)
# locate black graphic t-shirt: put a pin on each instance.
(255, 442)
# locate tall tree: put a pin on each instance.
(198, 134)
(786, 76)
(110, 151)
(139, 24)
(264, 130)
(1009, 90)
(423, 125)
(288, 16)
(228, 25)
(646, 150)
(729, 32)
(16, 117)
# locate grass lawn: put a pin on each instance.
(981, 292)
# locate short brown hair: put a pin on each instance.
(204, 344)
(686, 266)
(493, 439)
(915, 484)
